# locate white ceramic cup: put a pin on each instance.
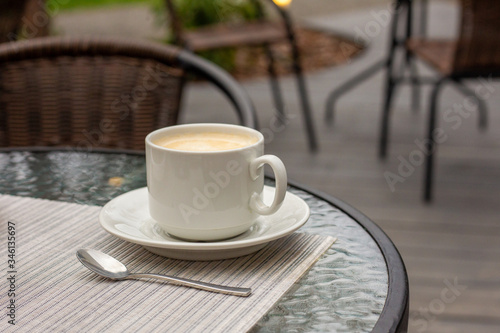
(209, 195)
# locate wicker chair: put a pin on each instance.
(476, 53)
(262, 32)
(98, 93)
(28, 15)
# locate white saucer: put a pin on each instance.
(127, 217)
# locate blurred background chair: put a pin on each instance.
(475, 54)
(98, 93)
(23, 18)
(409, 19)
(262, 32)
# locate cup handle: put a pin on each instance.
(279, 170)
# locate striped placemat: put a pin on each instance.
(53, 292)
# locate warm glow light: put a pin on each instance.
(282, 3)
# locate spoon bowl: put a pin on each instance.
(102, 264)
(109, 267)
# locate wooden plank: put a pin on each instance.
(444, 268)
(456, 325)
(411, 224)
(418, 239)
(457, 299)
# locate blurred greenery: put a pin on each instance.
(193, 13)
(198, 13)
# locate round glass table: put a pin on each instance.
(359, 285)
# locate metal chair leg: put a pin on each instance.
(275, 87)
(304, 97)
(415, 85)
(481, 105)
(392, 78)
(431, 143)
(384, 130)
(313, 145)
(424, 11)
(410, 61)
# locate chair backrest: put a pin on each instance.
(94, 93)
(478, 48)
(11, 13)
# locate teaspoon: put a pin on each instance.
(109, 267)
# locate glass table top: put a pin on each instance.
(344, 292)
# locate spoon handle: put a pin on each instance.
(194, 284)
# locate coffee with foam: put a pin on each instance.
(206, 141)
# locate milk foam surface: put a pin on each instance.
(206, 141)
